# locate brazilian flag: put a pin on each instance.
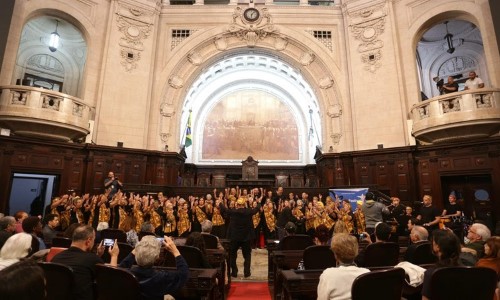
(189, 141)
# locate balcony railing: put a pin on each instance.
(37, 112)
(462, 115)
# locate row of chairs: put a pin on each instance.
(452, 283)
(447, 283)
(374, 255)
(111, 283)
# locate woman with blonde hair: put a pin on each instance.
(335, 283)
(16, 247)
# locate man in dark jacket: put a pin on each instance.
(241, 234)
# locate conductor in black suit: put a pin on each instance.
(241, 234)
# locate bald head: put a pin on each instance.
(419, 233)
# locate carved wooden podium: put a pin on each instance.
(250, 169)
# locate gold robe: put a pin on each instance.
(155, 219)
(138, 214)
(256, 219)
(309, 219)
(170, 222)
(123, 215)
(359, 218)
(184, 223)
(323, 218)
(200, 214)
(270, 218)
(217, 219)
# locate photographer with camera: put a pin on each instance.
(450, 87)
(112, 183)
(439, 84)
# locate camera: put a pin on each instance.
(362, 236)
(160, 240)
(108, 242)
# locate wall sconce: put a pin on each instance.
(449, 39)
(54, 39)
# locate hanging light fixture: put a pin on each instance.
(449, 39)
(54, 39)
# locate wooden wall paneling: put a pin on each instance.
(494, 160)
(339, 172)
(296, 180)
(402, 175)
(203, 180)
(5, 175)
(155, 168)
(382, 170)
(281, 180)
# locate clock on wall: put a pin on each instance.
(251, 14)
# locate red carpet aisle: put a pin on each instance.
(249, 290)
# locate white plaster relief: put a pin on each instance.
(176, 82)
(165, 137)
(135, 24)
(326, 83)
(129, 58)
(195, 58)
(334, 111)
(167, 110)
(19, 98)
(280, 43)
(307, 58)
(220, 43)
(336, 138)
(367, 24)
(251, 32)
(134, 32)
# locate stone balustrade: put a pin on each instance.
(37, 112)
(462, 115)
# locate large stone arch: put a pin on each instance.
(468, 11)
(84, 18)
(318, 66)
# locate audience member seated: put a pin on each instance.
(82, 261)
(321, 235)
(100, 227)
(155, 283)
(128, 227)
(295, 242)
(68, 233)
(491, 258)
(33, 226)
(476, 237)
(16, 247)
(446, 246)
(146, 229)
(195, 239)
(24, 280)
(335, 283)
(7, 229)
(419, 238)
(381, 252)
(290, 229)
(49, 230)
(206, 229)
(20, 216)
(339, 227)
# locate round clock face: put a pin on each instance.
(251, 14)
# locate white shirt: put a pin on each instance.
(336, 283)
(473, 84)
